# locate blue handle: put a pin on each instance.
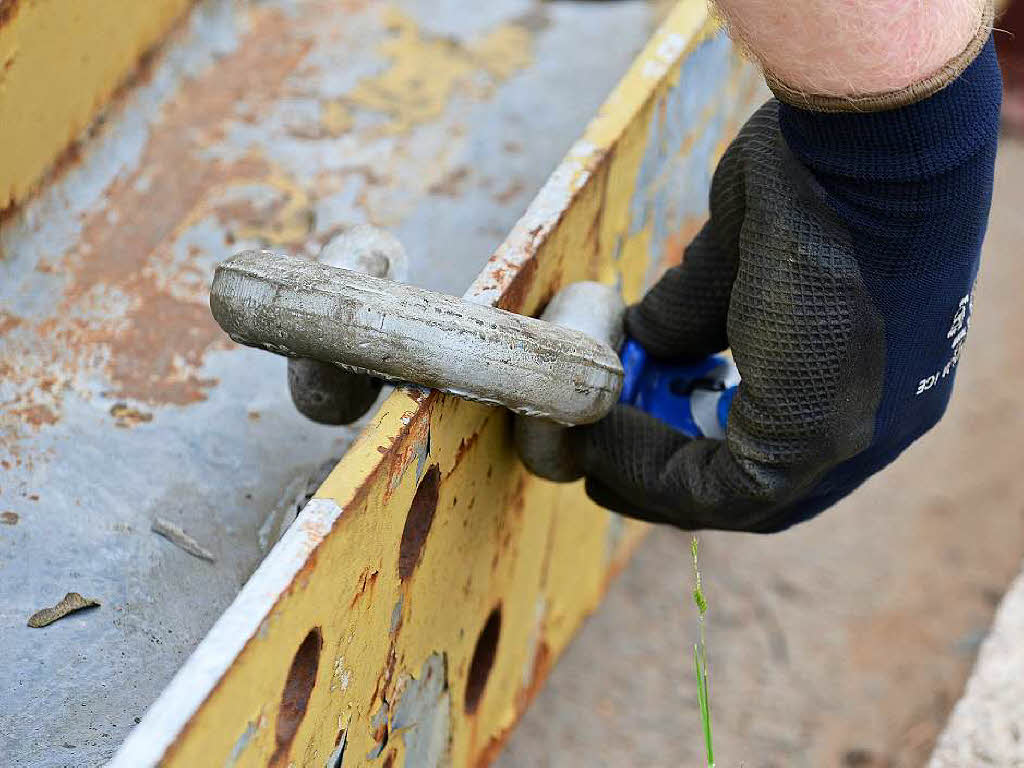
(693, 398)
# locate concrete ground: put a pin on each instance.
(845, 641)
(985, 727)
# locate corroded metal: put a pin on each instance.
(271, 124)
(430, 565)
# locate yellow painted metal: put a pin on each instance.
(60, 61)
(445, 549)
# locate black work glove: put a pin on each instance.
(837, 263)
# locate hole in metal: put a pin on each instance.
(483, 659)
(297, 689)
(417, 522)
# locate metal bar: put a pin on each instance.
(413, 609)
(406, 334)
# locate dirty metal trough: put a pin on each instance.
(406, 615)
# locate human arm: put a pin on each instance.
(838, 276)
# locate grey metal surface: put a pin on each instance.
(404, 333)
(261, 124)
(320, 391)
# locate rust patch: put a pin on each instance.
(36, 415)
(465, 446)
(125, 416)
(513, 298)
(450, 185)
(132, 308)
(9, 518)
(517, 499)
(147, 366)
(386, 678)
(367, 581)
(542, 661)
(380, 734)
(418, 522)
(8, 322)
(484, 654)
(507, 195)
(492, 749)
(8, 10)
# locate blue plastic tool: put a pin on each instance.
(694, 398)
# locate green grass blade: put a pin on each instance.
(700, 666)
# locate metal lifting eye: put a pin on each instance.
(686, 387)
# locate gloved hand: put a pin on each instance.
(838, 264)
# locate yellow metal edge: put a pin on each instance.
(60, 62)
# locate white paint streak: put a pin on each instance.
(535, 225)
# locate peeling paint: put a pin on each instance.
(426, 72)
(337, 757)
(379, 730)
(243, 741)
(422, 714)
(263, 139)
(396, 614)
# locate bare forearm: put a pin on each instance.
(854, 47)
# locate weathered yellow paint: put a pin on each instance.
(497, 538)
(290, 221)
(426, 72)
(60, 61)
(335, 118)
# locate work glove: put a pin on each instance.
(837, 263)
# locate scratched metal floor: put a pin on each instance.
(259, 123)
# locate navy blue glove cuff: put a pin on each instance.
(919, 140)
